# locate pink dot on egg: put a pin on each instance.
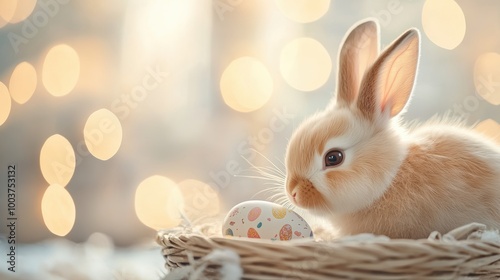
(298, 233)
(286, 232)
(254, 214)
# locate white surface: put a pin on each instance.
(95, 259)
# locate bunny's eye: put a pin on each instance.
(333, 158)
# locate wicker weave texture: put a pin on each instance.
(459, 254)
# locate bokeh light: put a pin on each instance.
(57, 160)
(200, 200)
(8, 9)
(444, 23)
(305, 64)
(100, 244)
(58, 210)
(97, 71)
(103, 134)
(5, 103)
(61, 70)
(2, 22)
(22, 83)
(490, 128)
(486, 77)
(24, 8)
(158, 202)
(303, 11)
(246, 84)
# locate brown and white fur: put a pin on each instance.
(395, 181)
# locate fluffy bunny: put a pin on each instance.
(356, 165)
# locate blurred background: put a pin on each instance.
(118, 113)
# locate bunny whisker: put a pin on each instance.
(269, 190)
(274, 168)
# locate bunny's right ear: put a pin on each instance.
(388, 84)
(358, 52)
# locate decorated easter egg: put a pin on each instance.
(265, 220)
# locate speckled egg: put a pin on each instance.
(265, 220)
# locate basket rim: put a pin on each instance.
(437, 257)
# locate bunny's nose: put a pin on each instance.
(303, 194)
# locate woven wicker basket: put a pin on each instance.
(468, 252)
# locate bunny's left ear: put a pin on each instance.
(387, 85)
(359, 50)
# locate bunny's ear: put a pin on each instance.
(358, 52)
(387, 85)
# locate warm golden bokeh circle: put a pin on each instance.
(61, 70)
(58, 210)
(22, 83)
(57, 160)
(444, 23)
(246, 84)
(158, 203)
(5, 103)
(103, 134)
(305, 64)
(490, 128)
(14, 11)
(200, 200)
(486, 76)
(8, 9)
(24, 8)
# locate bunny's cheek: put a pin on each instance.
(305, 195)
